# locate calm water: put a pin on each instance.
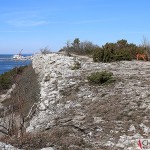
(7, 63)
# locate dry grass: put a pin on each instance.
(61, 138)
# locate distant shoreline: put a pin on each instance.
(15, 54)
(7, 62)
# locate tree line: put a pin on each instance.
(120, 50)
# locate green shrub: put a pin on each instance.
(100, 77)
(79, 48)
(118, 51)
(98, 55)
(8, 78)
(123, 54)
(5, 82)
(104, 54)
(76, 66)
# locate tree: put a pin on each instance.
(76, 43)
(45, 51)
(146, 46)
(67, 48)
(88, 47)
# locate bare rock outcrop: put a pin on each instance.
(4, 146)
(112, 116)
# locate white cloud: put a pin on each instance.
(23, 18)
(26, 23)
(19, 13)
(13, 31)
(92, 21)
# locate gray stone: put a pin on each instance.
(93, 111)
(48, 148)
(4, 146)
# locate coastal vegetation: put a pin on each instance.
(79, 48)
(7, 79)
(98, 78)
(77, 65)
(19, 108)
(45, 51)
(93, 106)
(120, 50)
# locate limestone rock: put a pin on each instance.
(4, 146)
(106, 117)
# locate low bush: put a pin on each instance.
(118, 51)
(8, 78)
(98, 55)
(122, 55)
(76, 66)
(45, 51)
(103, 55)
(100, 77)
(79, 48)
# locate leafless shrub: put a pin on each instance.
(146, 46)
(45, 51)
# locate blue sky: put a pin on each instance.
(34, 24)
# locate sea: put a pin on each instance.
(7, 63)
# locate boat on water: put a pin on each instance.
(18, 57)
(21, 57)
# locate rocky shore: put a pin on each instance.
(112, 116)
(105, 117)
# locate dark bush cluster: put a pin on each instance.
(117, 52)
(79, 48)
(121, 50)
(7, 78)
(100, 77)
(76, 66)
